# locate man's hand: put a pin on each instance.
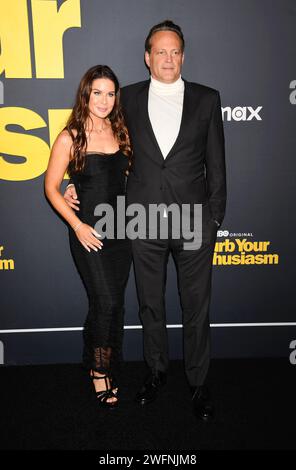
(70, 197)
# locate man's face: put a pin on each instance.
(166, 57)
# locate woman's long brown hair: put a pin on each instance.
(80, 114)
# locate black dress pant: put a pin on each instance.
(194, 269)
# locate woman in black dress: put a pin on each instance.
(95, 149)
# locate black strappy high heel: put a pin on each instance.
(104, 395)
(113, 384)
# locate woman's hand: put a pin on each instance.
(88, 237)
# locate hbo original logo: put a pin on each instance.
(222, 233)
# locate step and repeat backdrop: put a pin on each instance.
(246, 50)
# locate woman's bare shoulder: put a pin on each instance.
(64, 138)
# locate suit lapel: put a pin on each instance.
(145, 126)
(187, 111)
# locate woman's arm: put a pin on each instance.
(57, 166)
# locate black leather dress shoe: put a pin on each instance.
(202, 405)
(150, 389)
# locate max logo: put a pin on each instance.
(241, 113)
(292, 356)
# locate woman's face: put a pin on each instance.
(102, 97)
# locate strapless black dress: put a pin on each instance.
(105, 272)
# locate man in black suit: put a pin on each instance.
(177, 137)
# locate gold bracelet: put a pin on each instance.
(77, 226)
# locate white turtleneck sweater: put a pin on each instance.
(165, 106)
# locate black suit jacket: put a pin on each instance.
(194, 169)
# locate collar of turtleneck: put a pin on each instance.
(161, 88)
